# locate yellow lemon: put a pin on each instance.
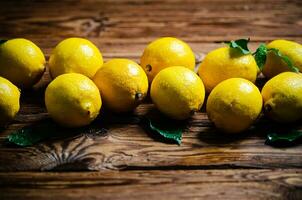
(21, 62)
(234, 104)
(274, 65)
(73, 100)
(75, 55)
(282, 97)
(9, 101)
(123, 84)
(225, 63)
(166, 52)
(177, 92)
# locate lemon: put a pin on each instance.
(282, 97)
(123, 84)
(166, 52)
(75, 55)
(21, 62)
(274, 65)
(234, 104)
(224, 63)
(9, 101)
(72, 100)
(177, 92)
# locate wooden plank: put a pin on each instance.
(132, 20)
(123, 28)
(128, 145)
(153, 184)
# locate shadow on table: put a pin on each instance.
(263, 129)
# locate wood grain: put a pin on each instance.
(128, 144)
(123, 28)
(154, 184)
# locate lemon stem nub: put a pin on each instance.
(148, 68)
(192, 112)
(267, 108)
(138, 96)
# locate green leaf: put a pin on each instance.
(288, 139)
(241, 45)
(2, 41)
(47, 129)
(33, 134)
(260, 55)
(169, 129)
(285, 59)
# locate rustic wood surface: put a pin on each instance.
(130, 162)
(154, 184)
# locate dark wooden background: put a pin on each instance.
(126, 162)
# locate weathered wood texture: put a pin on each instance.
(179, 184)
(133, 163)
(123, 28)
(126, 144)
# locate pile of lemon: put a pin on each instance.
(82, 82)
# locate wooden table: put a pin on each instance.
(126, 162)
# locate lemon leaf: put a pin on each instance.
(2, 41)
(32, 134)
(286, 139)
(241, 45)
(260, 55)
(169, 129)
(47, 129)
(285, 59)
